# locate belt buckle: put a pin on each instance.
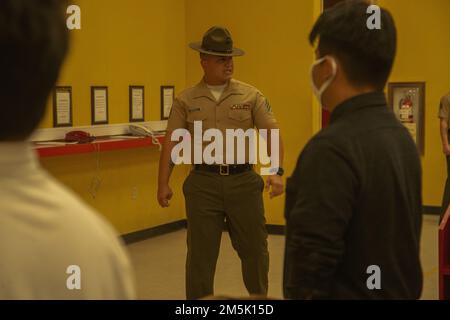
(224, 172)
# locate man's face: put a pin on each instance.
(218, 70)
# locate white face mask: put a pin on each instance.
(319, 92)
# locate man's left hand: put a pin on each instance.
(276, 182)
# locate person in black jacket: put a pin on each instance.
(353, 202)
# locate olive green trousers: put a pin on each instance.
(211, 201)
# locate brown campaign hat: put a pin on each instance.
(217, 41)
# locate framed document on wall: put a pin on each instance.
(136, 96)
(407, 100)
(62, 107)
(99, 105)
(167, 97)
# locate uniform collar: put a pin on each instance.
(17, 157)
(367, 100)
(202, 91)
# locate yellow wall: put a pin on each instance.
(423, 55)
(120, 43)
(144, 42)
(139, 42)
(274, 36)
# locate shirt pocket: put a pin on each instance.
(241, 118)
(195, 114)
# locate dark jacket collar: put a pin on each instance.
(367, 100)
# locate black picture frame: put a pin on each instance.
(130, 94)
(56, 90)
(93, 120)
(163, 88)
(407, 101)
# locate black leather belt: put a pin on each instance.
(224, 169)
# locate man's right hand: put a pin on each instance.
(446, 149)
(164, 195)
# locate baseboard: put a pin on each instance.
(274, 229)
(154, 232)
(432, 210)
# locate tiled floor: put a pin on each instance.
(159, 265)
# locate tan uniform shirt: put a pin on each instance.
(241, 106)
(444, 108)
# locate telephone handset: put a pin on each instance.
(151, 129)
(79, 136)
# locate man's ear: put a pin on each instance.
(327, 67)
(203, 63)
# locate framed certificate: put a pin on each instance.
(407, 100)
(167, 97)
(62, 107)
(136, 94)
(99, 105)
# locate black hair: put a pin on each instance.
(366, 55)
(33, 44)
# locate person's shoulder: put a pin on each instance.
(83, 226)
(318, 148)
(243, 86)
(330, 140)
(322, 138)
(319, 143)
(56, 217)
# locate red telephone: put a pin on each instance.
(79, 136)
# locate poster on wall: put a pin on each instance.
(167, 97)
(99, 105)
(62, 107)
(136, 103)
(407, 100)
